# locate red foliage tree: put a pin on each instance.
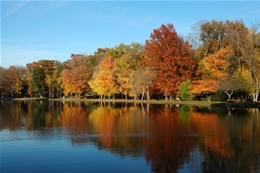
(171, 58)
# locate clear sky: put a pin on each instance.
(53, 30)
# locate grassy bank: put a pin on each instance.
(188, 103)
(31, 98)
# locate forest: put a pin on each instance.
(218, 60)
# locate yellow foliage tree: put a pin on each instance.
(104, 79)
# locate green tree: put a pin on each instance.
(37, 82)
(185, 91)
(57, 74)
(45, 69)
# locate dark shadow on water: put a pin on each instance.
(237, 105)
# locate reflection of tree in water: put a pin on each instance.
(169, 144)
(120, 130)
(231, 143)
(168, 136)
(11, 115)
(38, 114)
(75, 117)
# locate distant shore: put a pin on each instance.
(171, 102)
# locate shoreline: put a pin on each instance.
(159, 102)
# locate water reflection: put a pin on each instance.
(170, 138)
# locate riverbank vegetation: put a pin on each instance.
(218, 61)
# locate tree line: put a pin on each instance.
(217, 57)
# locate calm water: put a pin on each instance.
(41, 136)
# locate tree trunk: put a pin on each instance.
(209, 98)
(135, 97)
(148, 94)
(255, 96)
(126, 95)
(229, 95)
(143, 93)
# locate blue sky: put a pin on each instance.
(35, 30)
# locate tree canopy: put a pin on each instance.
(216, 56)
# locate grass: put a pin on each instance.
(188, 103)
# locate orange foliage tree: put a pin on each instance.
(16, 76)
(204, 87)
(218, 63)
(171, 58)
(75, 75)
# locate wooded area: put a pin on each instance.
(216, 57)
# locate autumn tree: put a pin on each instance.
(229, 48)
(171, 58)
(140, 82)
(40, 78)
(218, 64)
(131, 61)
(104, 78)
(123, 77)
(212, 69)
(215, 41)
(4, 84)
(75, 75)
(29, 69)
(205, 87)
(128, 59)
(235, 31)
(250, 49)
(48, 67)
(117, 52)
(56, 76)
(213, 36)
(16, 76)
(245, 42)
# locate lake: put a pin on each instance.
(54, 136)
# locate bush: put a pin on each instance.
(219, 96)
(185, 91)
